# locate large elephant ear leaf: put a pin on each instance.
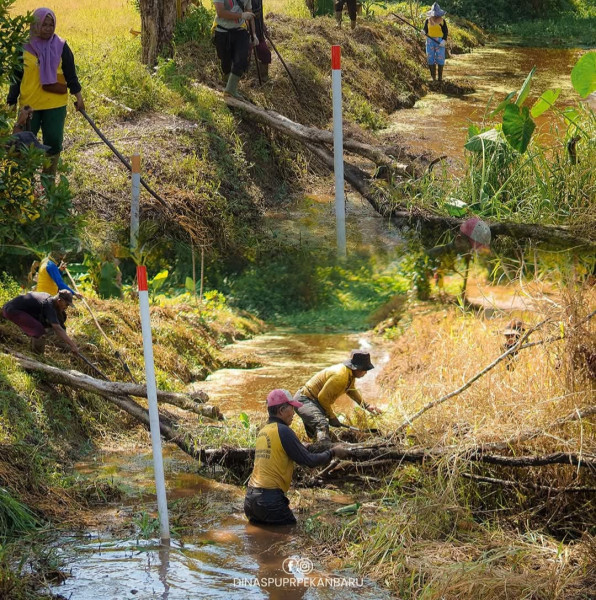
(525, 88)
(518, 127)
(545, 102)
(583, 75)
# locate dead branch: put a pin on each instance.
(85, 382)
(409, 420)
(527, 484)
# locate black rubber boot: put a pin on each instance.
(440, 72)
(433, 71)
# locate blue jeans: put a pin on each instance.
(435, 53)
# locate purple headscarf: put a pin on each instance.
(48, 52)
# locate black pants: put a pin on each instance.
(339, 6)
(268, 507)
(232, 50)
(313, 416)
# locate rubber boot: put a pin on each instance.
(264, 70)
(440, 72)
(353, 24)
(232, 86)
(433, 71)
(338, 16)
(48, 174)
(38, 345)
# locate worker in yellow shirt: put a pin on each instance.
(322, 390)
(49, 278)
(277, 449)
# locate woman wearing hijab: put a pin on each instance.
(48, 72)
(436, 31)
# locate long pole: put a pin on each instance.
(415, 28)
(134, 202)
(284, 64)
(160, 484)
(338, 153)
(123, 160)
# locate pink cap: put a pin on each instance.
(277, 397)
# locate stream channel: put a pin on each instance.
(224, 559)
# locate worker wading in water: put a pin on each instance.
(277, 449)
(436, 29)
(232, 40)
(324, 388)
(37, 312)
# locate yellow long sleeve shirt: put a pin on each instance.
(329, 384)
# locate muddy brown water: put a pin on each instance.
(230, 558)
(439, 123)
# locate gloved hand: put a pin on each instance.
(443, 43)
(373, 410)
(335, 422)
(340, 451)
(255, 40)
(248, 16)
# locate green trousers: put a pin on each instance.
(51, 123)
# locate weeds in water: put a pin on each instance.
(15, 517)
(146, 525)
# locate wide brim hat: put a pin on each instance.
(436, 11)
(359, 361)
(515, 327)
(278, 397)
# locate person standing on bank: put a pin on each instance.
(277, 449)
(47, 73)
(436, 30)
(262, 50)
(232, 40)
(324, 388)
(49, 278)
(339, 9)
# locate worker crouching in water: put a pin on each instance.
(232, 40)
(37, 312)
(324, 388)
(277, 449)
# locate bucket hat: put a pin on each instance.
(65, 295)
(359, 361)
(477, 232)
(436, 11)
(277, 397)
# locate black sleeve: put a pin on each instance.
(15, 84)
(445, 29)
(425, 28)
(69, 70)
(49, 314)
(297, 452)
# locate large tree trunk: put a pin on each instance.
(158, 19)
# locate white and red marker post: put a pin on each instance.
(160, 484)
(338, 152)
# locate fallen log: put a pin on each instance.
(533, 486)
(312, 135)
(109, 389)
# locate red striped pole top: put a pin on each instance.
(142, 278)
(336, 58)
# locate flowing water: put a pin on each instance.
(230, 557)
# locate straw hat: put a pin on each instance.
(435, 11)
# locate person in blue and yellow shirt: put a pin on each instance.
(324, 388)
(277, 450)
(49, 278)
(46, 76)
